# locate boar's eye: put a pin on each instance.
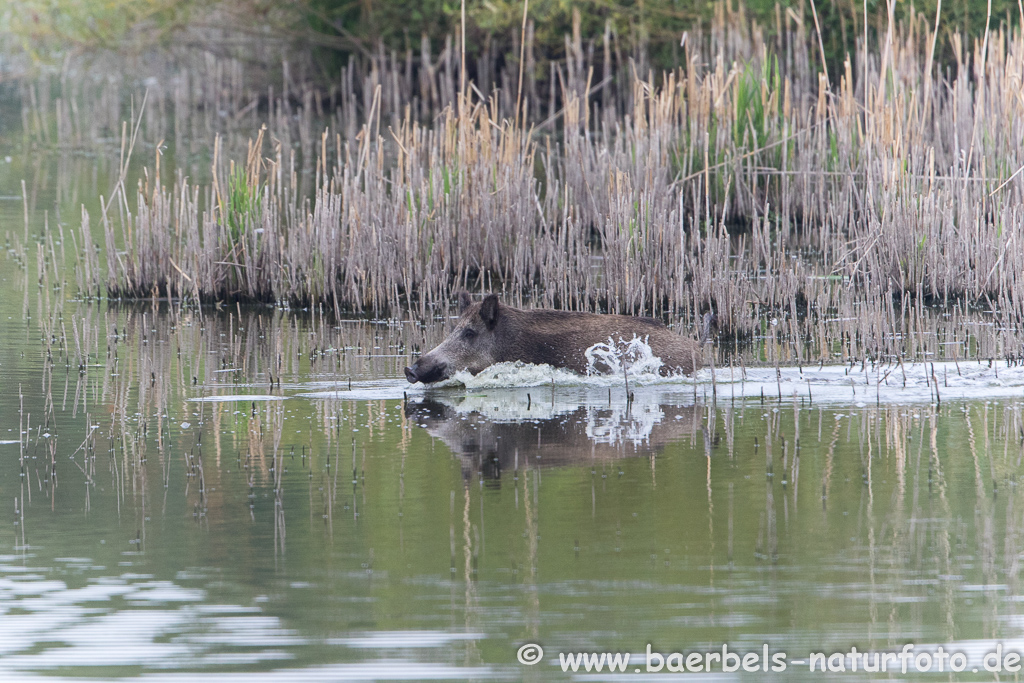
(469, 334)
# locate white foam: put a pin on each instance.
(514, 374)
(605, 362)
(878, 383)
(859, 384)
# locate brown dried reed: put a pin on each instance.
(740, 182)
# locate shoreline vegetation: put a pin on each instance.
(747, 180)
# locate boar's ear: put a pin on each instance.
(489, 311)
(464, 302)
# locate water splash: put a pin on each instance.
(634, 357)
(857, 384)
(605, 362)
(513, 374)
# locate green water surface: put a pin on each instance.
(316, 524)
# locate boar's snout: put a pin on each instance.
(426, 372)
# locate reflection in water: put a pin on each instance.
(161, 627)
(212, 486)
(508, 430)
(164, 623)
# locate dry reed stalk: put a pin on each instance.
(740, 182)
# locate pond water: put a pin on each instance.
(249, 493)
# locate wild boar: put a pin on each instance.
(490, 332)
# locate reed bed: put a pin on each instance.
(745, 182)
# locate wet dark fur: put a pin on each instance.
(490, 332)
